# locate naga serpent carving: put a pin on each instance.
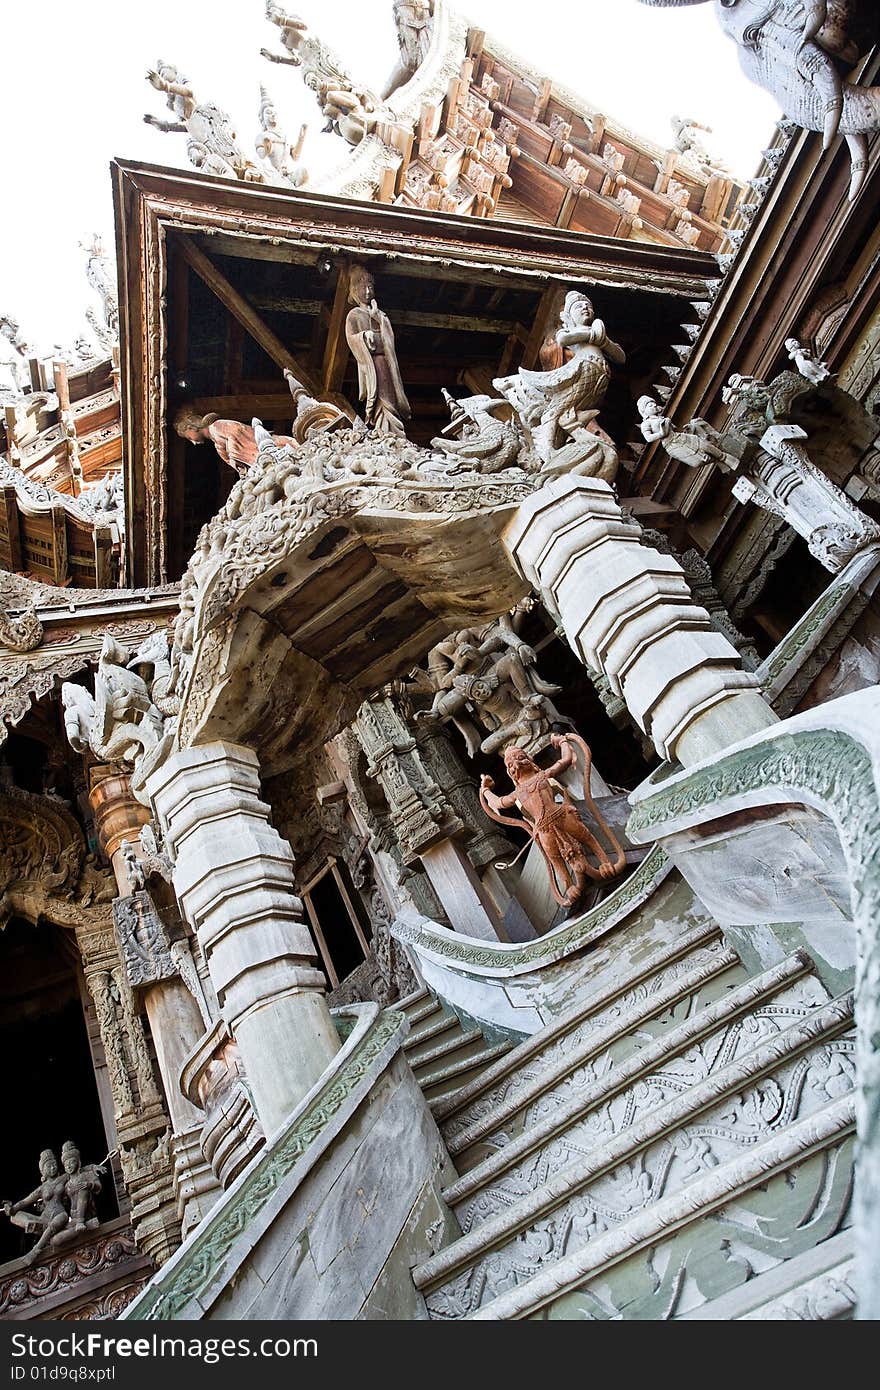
(799, 50)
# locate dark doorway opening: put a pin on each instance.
(50, 1093)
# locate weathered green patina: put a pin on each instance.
(169, 1294)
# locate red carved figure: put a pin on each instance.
(552, 820)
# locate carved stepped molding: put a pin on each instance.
(662, 965)
(94, 1279)
(755, 1097)
(627, 612)
(716, 1195)
(443, 1054)
(431, 941)
(590, 1047)
(598, 1101)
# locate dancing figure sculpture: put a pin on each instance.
(552, 406)
(551, 819)
(64, 1201)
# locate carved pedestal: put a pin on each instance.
(118, 816)
(233, 877)
(176, 1023)
(784, 481)
(627, 612)
(142, 1124)
(94, 1279)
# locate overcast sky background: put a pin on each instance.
(73, 95)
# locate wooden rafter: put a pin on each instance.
(336, 348)
(546, 319)
(236, 304)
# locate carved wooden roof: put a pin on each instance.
(224, 284)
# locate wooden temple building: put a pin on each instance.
(439, 738)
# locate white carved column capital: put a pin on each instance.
(627, 612)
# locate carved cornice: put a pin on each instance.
(29, 1291)
(44, 869)
(74, 623)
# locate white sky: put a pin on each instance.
(73, 94)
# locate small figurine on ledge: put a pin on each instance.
(65, 1201)
(810, 367)
(695, 446)
(551, 818)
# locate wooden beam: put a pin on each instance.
(232, 358)
(253, 249)
(60, 569)
(103, 557)
(336, 354)
(456, 323)
(236, 304)
(179, 353)
(546, 319)
(244, 405)
(287, 304)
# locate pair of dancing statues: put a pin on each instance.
(63, 1204)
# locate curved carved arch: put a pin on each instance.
(45, 869)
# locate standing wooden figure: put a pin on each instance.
(552, 820)
(370, 337)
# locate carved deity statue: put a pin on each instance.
(414, 21)
(694, 446)
(235, 442)
(212, 143)
(14, 353)
(691, 147)
(801, 52)
(485, 443)
(82, 1186)
(133, 867)
(552, 405)
(551, 819)
(274, 147)
(370, 338)
(809, 366)
(489, 674)
(64, 1201)
(101, 275)
(349, 110)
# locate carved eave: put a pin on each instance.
(44, 873)
(53, 536)
(805, 236)
(362, 172)
(314, 603)
(73, 625)
(158, 209)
